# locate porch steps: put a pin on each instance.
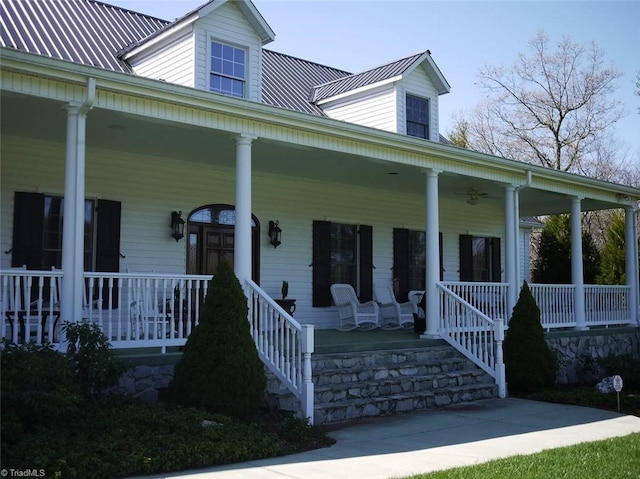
(358, 384)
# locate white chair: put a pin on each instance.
(415, 297)
(147, 318)
(393, 315)
(353, 314)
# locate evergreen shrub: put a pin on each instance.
(530, 364)
(220, 370)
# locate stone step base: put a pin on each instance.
(350, 386)
(353, 409)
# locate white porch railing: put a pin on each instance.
(284, 345)
(134, 310)
(474, 334)
(604, 305)
(489, 298)
(607, 305)
(556, 303)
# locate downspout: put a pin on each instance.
(74, 194)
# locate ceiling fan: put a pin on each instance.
(474, 196)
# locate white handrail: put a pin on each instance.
(284, 345)
(474, 334)
(490, 298)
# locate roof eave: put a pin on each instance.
(32, 64)
(356, 91)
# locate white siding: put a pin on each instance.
(524, 239)
(150, 188)
(373, 108)
(418, 84)
(227, 24)
(173, 63)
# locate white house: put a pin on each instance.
(129, 118)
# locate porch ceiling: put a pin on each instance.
(46, 119)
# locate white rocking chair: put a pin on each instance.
(353, 314)
(393, 315)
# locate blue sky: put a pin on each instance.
(356, 35)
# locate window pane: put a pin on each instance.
(216, 49)
(343, 254)
(227, 67)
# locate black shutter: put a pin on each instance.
(321, 263)
(366, 263)
(108, 236)
(108, 244)
(466, 258)
(28, 222)
(496, 266)
(401, 261)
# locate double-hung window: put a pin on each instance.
(228, 70)
(52, 233)
(480, 259)
(344, 264)
(417, 109)
(409, 261)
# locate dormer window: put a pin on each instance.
(417, 116)
(228, 70)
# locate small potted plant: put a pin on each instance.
(289, 305)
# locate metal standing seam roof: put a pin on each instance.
(287, 82)
(80, 31)
(358, 80)
(94, 33)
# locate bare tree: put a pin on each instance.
(550, 108)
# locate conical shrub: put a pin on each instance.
(220, 370)
(529, 363)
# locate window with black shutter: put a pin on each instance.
(480, 259)
(409, 261)
(342, 253)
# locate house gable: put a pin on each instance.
(181, 52)
(377, 98)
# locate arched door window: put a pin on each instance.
(210, 238)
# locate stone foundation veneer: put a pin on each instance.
(149, 374)
(571, 347)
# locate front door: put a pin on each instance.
(211, 231)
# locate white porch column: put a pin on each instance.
(242, 238)
(577, 273)
(631, 261)
(511, 238)
(432, 275)
(73, 213)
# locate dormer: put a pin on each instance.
(216, 47)
(401, 97)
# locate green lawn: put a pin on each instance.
(609, 459)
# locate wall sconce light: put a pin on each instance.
(177, 225)
(275, 233)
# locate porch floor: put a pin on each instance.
(333, 341)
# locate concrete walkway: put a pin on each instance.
(398, 446)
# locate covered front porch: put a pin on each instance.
(159, 310)
(95, 163)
